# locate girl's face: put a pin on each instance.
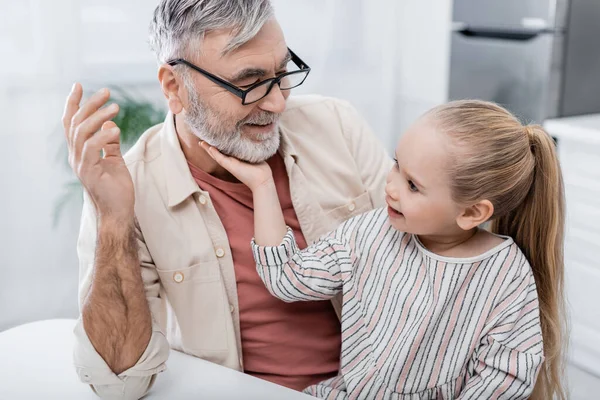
(417, 190)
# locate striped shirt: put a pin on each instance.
(415, 325)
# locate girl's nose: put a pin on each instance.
(390, 190)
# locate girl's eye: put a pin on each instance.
(412, 187)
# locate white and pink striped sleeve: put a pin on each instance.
(314, 273)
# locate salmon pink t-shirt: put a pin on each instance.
(291, 344)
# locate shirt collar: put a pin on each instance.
(286, 148)
(179, 180)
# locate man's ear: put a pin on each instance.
(171, 87)
(475, 215)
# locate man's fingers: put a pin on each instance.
(91, 154)
(87, 128)
(92, 105)
(71, 107)
(108, 125)
(113, 148)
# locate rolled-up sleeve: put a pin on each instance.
(130, 384)
(90, 366)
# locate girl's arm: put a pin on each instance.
(288, 273)
(315, 273)
(510, 356)
(269, 225)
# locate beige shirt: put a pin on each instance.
(337, 169)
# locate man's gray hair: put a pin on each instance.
(179, 23)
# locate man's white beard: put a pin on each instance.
(233, 143)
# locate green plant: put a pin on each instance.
(135, 116)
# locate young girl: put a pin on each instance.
(435, 307)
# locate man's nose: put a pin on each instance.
(274, 102)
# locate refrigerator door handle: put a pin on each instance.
(490, 33)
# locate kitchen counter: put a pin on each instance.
(585, 128)
(579, 152)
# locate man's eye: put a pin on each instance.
(247, 85)
(412, 187)
(396, 162)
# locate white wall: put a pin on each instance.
(388, 57)
(45, 47)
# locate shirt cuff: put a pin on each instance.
(92, 369)
(274, 256)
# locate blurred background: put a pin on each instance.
(393, 59)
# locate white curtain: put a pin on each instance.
(387, 57)
(352, 48)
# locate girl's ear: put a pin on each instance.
(475, 215)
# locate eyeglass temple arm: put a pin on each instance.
(298, 60)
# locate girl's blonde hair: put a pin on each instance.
(516, 168)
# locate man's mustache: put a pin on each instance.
(264, 118)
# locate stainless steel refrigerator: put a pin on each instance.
(539, 58)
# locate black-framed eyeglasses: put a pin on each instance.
(259, 90)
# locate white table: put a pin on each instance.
(36, 362)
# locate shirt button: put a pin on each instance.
(351, 207)
(86, 377)
(178, 277)
(231, 308)
(202, 200)
(220, 252)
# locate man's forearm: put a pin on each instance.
(115, 313)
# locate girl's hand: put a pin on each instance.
(251, 175)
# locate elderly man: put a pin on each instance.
(164, 247)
